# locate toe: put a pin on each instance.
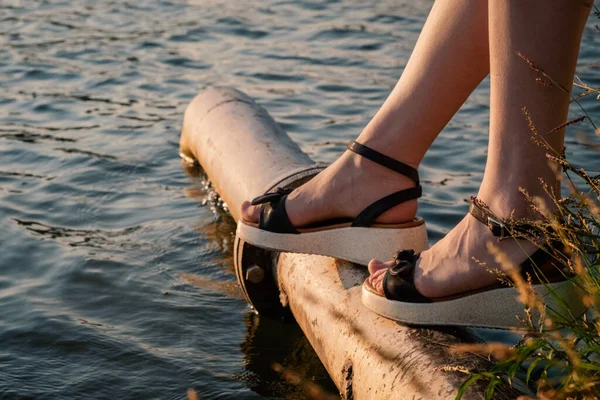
(249, 212)
(376, 265)
(377, 269)
(376, 280)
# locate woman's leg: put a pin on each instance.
(449, 60)
(548, 33)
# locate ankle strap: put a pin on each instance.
(499, 227)
(384, 160)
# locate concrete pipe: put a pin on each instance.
(244, 153)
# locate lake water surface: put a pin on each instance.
(116, 273)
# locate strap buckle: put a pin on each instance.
(498, 228)
(503, 229)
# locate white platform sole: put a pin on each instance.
(358, 245)
(497, 308)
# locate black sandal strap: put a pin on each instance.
(384, 160)
(372, 212)
(531, 266)
(273, 216)
(499, 227)
(271, 196)
(398, 281)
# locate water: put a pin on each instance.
(116, 276)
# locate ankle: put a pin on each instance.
(404, 154)
(518, 205)
(370, 174)
(513, 191)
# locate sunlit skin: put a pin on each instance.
(462, 42)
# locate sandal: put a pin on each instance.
(338, 237)
(494, 306)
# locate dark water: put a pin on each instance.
(116, 277)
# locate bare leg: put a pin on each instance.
(448, 62)
(549, 34)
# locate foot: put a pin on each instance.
(459, 262)
(343, 190)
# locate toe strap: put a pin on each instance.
(271, 196)
(273, 216)
(398, 281)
